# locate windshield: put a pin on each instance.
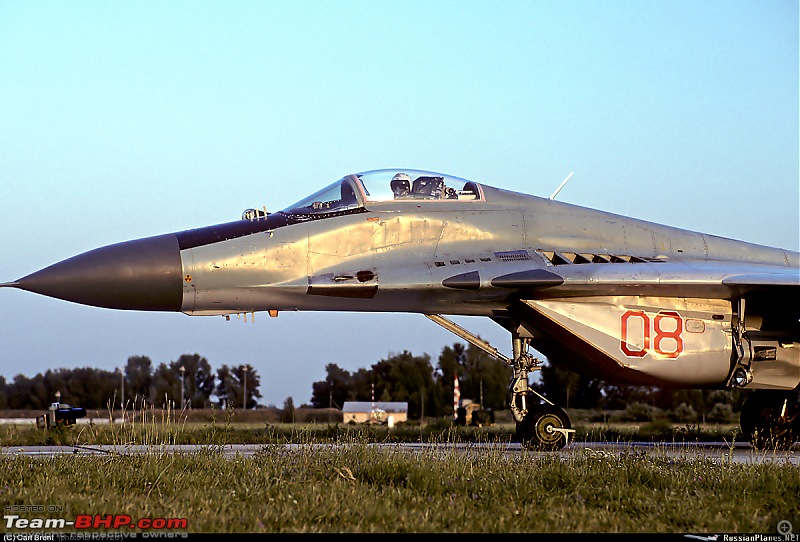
(385, 185)
(336, 197)
(411, 184)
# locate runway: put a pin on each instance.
(737, 453)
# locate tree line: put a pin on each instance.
(136, 385)
(427, 388)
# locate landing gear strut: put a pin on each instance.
(539, 426)
(770, 420)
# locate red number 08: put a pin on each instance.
(659, 334)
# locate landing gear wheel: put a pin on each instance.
(771, 420)
(538, 429)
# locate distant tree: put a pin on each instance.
(198, 379)
(138, 380)
(20, 394)
(450, 364)
(696, 399)
(287, 413)
(485, 379)
(86, 386)
(230, 386)
(640, 412)
(40, 392)
(3, 393)
(253, 381)
(481, 378)
(684, 413)
(701, 401)
(720, 413)
(337, 388)
(619, 396)
(225, 388)
(166, 387)
(404, 377)
(71, 386)
(363, 381)
(567, 388)
(724, 397)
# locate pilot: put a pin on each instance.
(401, 185)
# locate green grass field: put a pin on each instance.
(358, 488)
(251, 427)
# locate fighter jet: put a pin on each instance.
(621, 299)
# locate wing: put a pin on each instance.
(661, 322)
(687, 278)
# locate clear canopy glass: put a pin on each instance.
(413, 184)
(336, 197)
(382, 185)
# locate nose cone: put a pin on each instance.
(144, 274)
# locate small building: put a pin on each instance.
(377, 412)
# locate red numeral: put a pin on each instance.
(660, 334)
(674, 334)
(624, 333)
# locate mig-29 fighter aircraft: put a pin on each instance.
(622, 299)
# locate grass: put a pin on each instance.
(202, 433)
(355, 487)
(212, 426)
(249, 433)
(361, 488)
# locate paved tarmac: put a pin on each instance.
(737, 453)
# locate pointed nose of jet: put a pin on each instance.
(144, 274)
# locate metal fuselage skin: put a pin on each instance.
(443, 257)
(407, 249)
(392, 258)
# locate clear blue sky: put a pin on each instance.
(121, 120)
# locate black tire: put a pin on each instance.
(765, 423)
(536, 430)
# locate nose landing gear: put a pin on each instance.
(540, 426)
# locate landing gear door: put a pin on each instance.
(674, 341)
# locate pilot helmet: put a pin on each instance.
(401, 182)
(401, 177)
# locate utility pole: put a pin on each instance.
(372, 413)
(183, 371)
(122, 388)
(244, 391)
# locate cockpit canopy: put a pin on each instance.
(384, 185)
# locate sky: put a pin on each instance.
(121, 120)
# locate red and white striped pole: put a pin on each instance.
(456, 397)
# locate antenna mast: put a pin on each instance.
(561, 185)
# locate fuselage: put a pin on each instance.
(395, 255)
(621, 297)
